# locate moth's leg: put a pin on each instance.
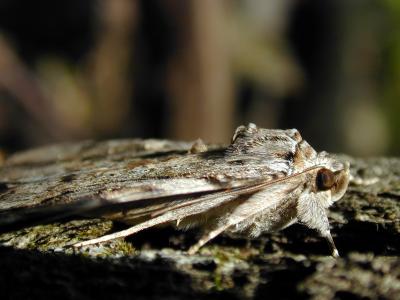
(325, 233)
(311, 213)
(252, 206)
(169, 216)
(334, 251)
(124, 233)
(206, 238)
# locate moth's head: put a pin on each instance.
(332, 176)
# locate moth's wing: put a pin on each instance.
(193, 195)
(143, 198)
(84, 185)
(88, 179)
(256, 196)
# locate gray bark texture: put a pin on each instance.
(294, 263)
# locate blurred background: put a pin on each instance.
(183, 69)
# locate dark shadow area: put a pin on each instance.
(282, 282)
(34, 275)
(161, 237)
(346, 295)
(300, 240)
(368, 237)
(355, 236)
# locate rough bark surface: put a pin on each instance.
(36, 263)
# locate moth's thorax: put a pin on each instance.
(285, 151)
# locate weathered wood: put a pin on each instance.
(36, 262)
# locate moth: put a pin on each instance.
(264, 181)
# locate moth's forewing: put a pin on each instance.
(98, 190)
(78, 179)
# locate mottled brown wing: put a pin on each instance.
(145, 176)
(93, 179)
(139, 205)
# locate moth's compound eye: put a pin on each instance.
(325, 179)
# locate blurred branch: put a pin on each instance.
(200, 82)
(20, 83)
(110, 64)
